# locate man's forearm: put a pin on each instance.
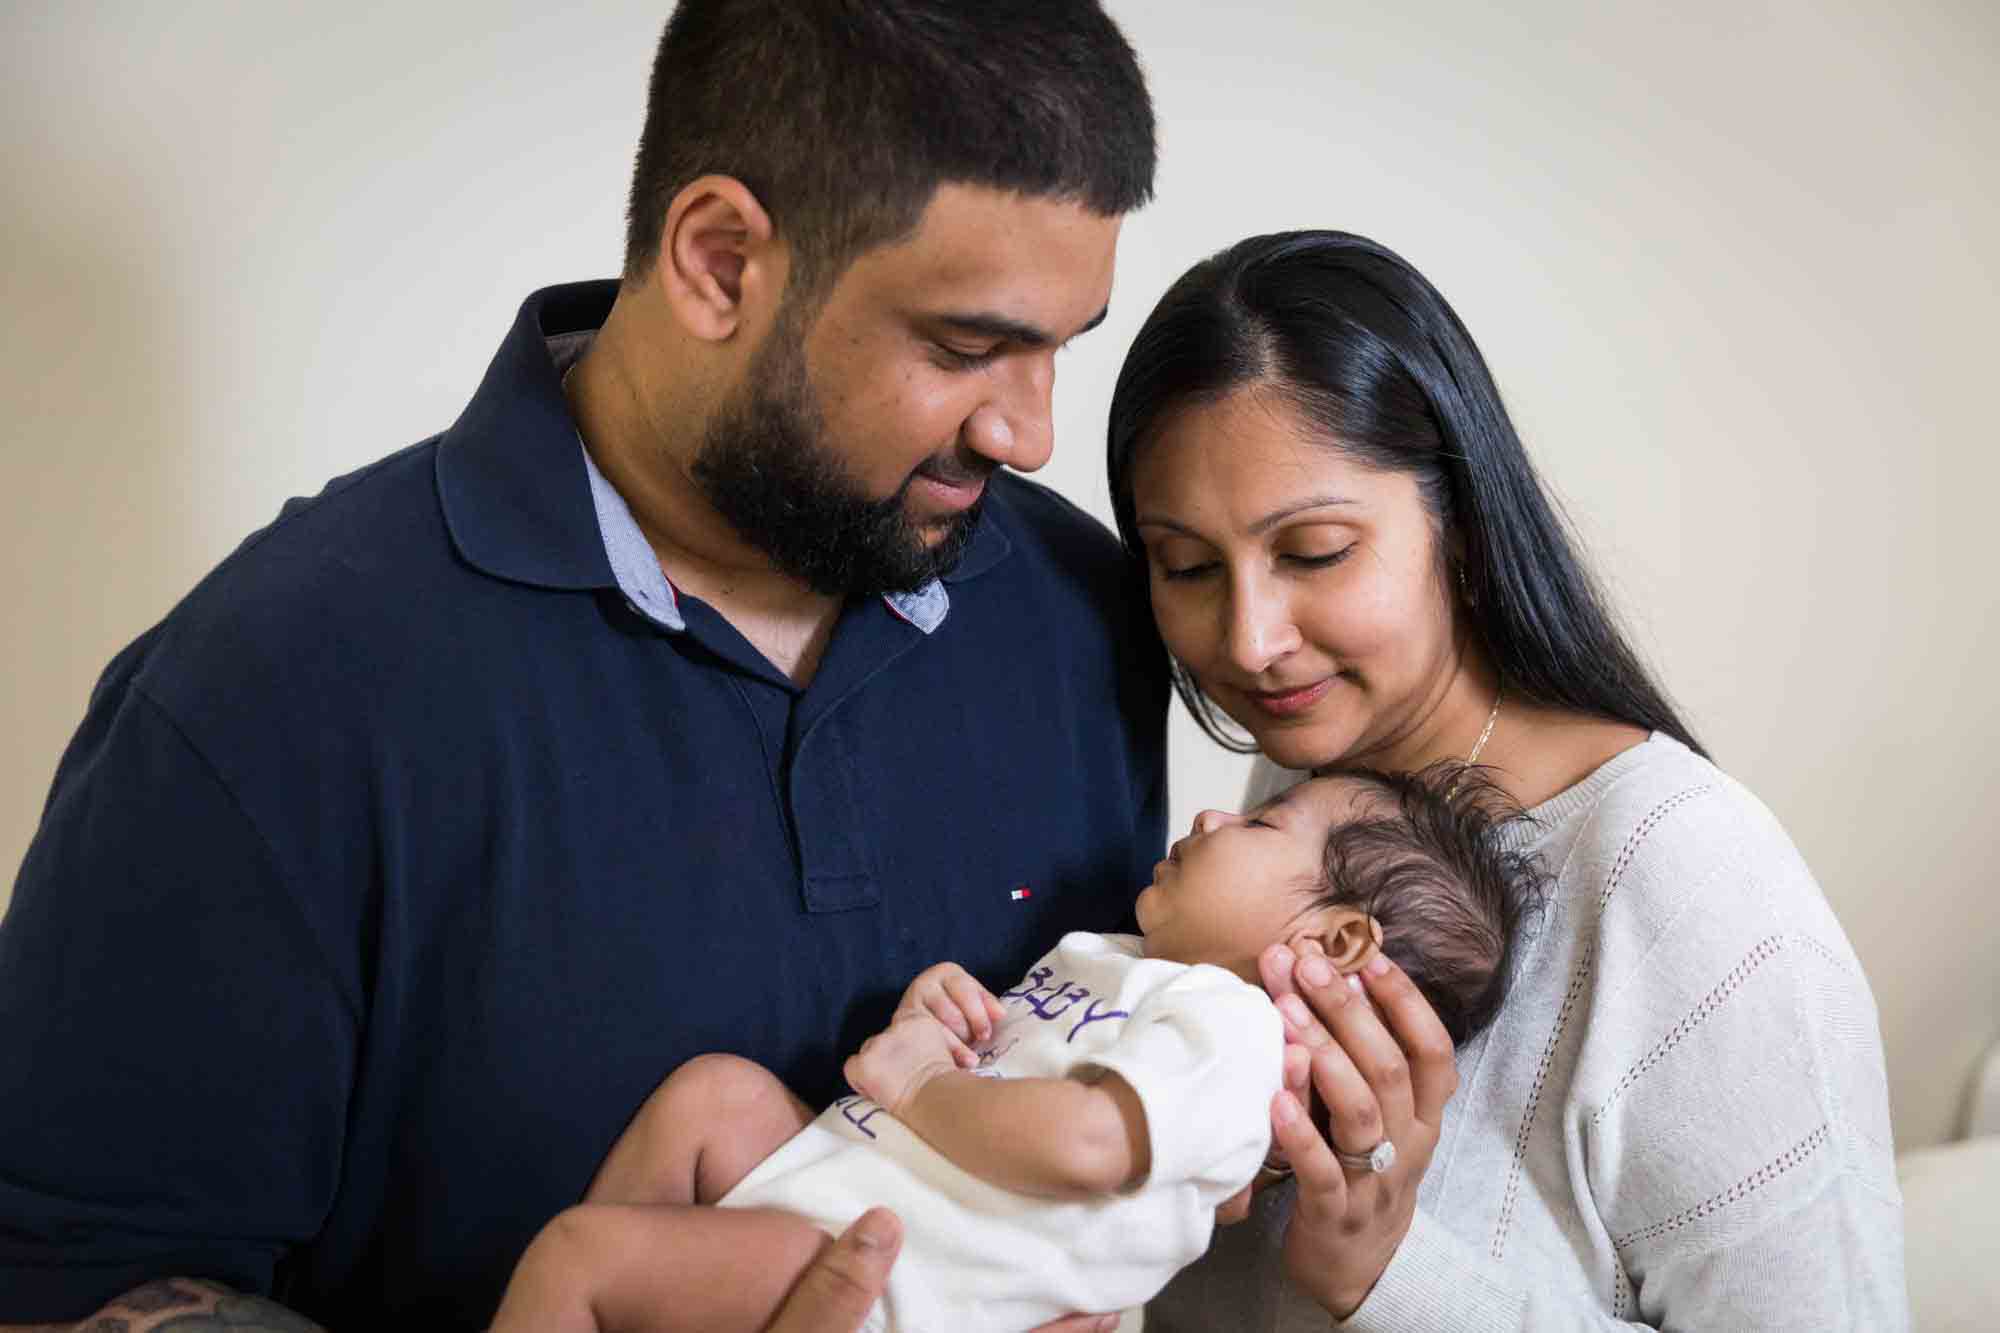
(1061, 1138)
(182, 1305)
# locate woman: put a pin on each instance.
(1680, 1118)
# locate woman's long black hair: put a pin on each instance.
(1368, 352)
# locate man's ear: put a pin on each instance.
(721, 265)
(1348, 938)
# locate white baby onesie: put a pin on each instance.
(1200, 1047)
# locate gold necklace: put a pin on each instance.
(1487, 734)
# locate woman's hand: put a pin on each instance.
(1384, 1072)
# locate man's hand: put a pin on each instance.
(893, 1065)
(835, 1294)
(954, 997)
(849, 1276)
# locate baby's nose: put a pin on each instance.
(1208, 821)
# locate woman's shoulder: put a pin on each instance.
(1682, 896)
(1675, 871)
(1707, 958)
(1660, 817)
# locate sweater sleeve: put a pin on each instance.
(1836, 1265)
(1714, 1092)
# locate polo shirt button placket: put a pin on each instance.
(835, 855)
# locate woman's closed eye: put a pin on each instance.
(1316, 560)
(1193, 571)
(1174, 556)
(1307, 561)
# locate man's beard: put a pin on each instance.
(765, 467)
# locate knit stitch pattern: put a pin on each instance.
(1680, 1118)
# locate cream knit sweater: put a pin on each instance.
(1679, 1120)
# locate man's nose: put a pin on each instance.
(1015, 425)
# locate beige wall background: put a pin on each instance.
(1732, 262)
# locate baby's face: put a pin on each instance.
(1237, 884)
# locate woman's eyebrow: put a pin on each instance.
(1257, 529)
(1277, 516)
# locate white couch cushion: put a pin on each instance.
(1951, 1229)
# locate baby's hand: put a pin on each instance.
(894, 1064)
(951, 995)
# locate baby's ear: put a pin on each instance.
(1348, 937)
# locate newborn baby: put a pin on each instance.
(1063, 1146)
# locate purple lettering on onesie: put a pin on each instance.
(1050, 1002)
(851, 1111)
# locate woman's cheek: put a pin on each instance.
(1182, 627)
(1363, 627)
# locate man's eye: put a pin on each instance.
(952, 358)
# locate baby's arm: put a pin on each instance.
(1204, 1044)
(1061, 1138)
(1051, 1137)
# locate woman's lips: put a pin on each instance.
(1289, 703)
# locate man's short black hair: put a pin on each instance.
(844, 116)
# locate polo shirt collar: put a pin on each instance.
(507, 479)
(516, 502)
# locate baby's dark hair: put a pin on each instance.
(1448, 893)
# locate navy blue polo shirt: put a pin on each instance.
(390, 872)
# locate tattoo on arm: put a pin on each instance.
(183, 1305)
(155, 1297)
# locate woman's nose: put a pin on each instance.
(1261, 630)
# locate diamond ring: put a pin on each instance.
(1375, 1161)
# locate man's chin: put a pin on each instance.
(945, 536)
(940, 533)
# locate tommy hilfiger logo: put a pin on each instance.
(1021, 893)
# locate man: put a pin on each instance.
(701, 684)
